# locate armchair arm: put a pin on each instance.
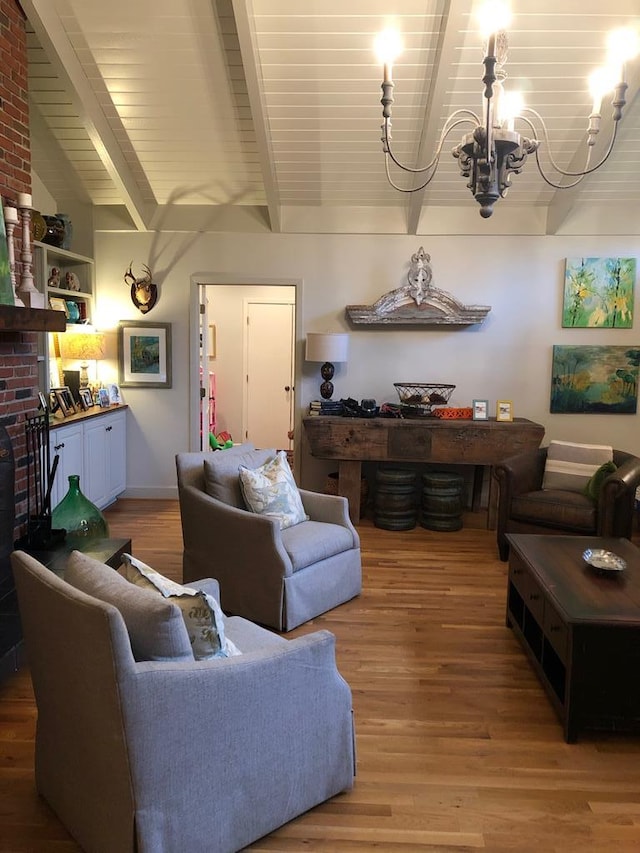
(522, 473)
(332, 509)
(224, 541)
(617, 498)
(278, 722)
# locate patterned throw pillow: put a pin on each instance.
(202, 615)
(570, 466)
(271, 490)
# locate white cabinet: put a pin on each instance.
(67, 443)
(94, 448)
(105, 459)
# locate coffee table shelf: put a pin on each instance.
(580, 631)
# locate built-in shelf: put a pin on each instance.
(15, 319)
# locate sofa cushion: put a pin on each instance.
(271, 490)
(569, 466)
(556, 508)
(221, 471)
(312, 541)
(201, 613)
(156, 628)
(592, 489)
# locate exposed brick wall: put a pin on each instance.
(18, 350)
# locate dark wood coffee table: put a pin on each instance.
(580, 630)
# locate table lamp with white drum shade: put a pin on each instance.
(329, 348)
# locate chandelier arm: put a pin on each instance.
(552, 183)
(588, 169)
(411, 189)
(470, 116)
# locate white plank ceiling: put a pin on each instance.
(198, 114)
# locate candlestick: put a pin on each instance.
(10, 221)
(29, 294)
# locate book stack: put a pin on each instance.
(325, 407)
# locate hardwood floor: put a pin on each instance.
(458, 746)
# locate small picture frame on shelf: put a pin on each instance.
(43, 402)
(86, 398)
(481, 410)
(103, 398)
(56, 303)
(64, 400)
(504, 410)
(115, 396)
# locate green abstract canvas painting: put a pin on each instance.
(590, 380)
(598, 293)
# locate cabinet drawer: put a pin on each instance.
(528, 588)
(556, 630)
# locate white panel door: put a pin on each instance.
(269, 391)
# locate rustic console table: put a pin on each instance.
(351, 441)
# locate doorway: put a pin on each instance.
(243, 360)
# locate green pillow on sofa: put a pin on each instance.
(592, 489)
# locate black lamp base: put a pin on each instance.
(326, 389)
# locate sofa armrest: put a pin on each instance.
(332, 509)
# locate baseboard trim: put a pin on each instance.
(166, 493)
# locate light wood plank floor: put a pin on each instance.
(458, 746)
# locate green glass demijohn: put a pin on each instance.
(78, 516)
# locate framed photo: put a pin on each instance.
(42, 402)
(115, 397)
(103, 398)
(86, 398)
(481, 410)
(64, 400)
(58, 304)
(144, 354)
(504, 410)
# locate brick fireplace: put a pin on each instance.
(18, 350)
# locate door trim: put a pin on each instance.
(213, 278)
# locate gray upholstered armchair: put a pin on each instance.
(525, 507)
(140, 749)
(278, 578)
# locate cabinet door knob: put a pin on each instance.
(58, 446)
(287, 387)
(109, 428)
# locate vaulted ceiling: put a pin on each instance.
(265, 114)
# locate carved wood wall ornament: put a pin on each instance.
(418, 302)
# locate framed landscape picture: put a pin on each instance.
(594, 380)
(599, 293)
(144, 354)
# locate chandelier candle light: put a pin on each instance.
(328, 347)
(494, 150)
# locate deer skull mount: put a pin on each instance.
(144, 293)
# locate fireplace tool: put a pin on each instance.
(41, 472)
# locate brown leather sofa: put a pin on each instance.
(524, 507)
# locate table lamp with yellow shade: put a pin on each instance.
(84, 347)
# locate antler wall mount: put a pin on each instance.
(144, 293)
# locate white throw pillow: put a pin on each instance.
(570, 466)
(271, 490)
(202, 615)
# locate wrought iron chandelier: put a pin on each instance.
(494, 150)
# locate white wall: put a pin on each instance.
(506, 357)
